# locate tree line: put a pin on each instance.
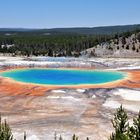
(50, 45)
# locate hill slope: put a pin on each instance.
(125, 46)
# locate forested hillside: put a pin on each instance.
(68, 45)
(63, 42)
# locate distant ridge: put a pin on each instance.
(76, 30)
(15, 29)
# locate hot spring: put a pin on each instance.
(63, 76)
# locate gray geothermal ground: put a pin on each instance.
(85, 112)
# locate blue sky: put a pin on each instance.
(68, 13)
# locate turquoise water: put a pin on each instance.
(63, 77)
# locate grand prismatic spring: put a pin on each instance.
(63, 76)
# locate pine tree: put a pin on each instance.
(55, 136)
(24, 135)
(134, 131)
(60, 138)
(74, 137)
(50, 52)
(120, 124)
(137, 127)
(5, 131)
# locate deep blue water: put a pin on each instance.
(63, 77)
